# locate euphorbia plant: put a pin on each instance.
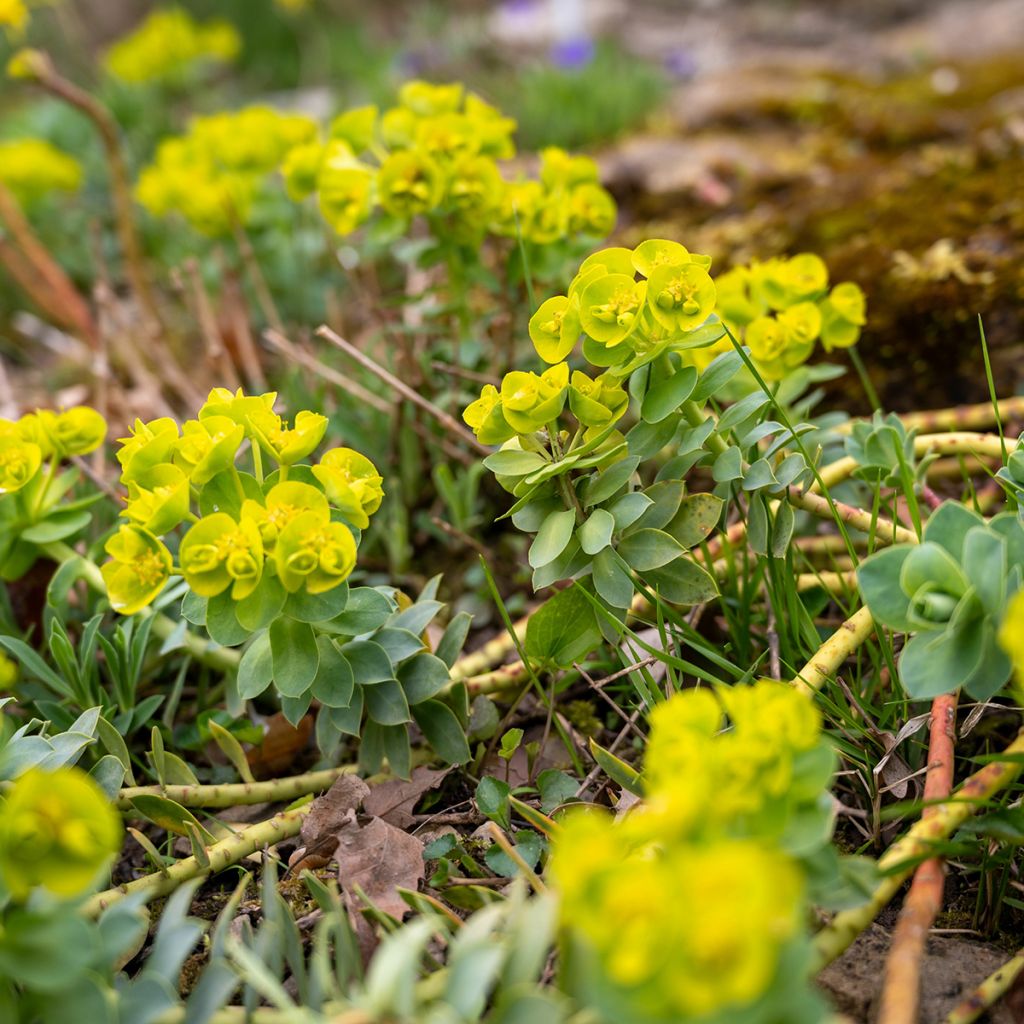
(264, 540)
(951, 592)
(646, 318)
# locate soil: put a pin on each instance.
(952, 968)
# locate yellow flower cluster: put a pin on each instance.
(629, 306)
(782, 307)
(38, 436)
(687, 905)
(213, 173)
(436, 154)
(31, 168)
(168, 44)
(58, 831)
(299, 529)
(1011, 634)
(13, 17)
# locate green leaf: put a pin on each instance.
(563, 630)
(736, 414)
(399, 643)
(263, 605)
(231, 749)
(616, 769)
(510, 744)
(985, 565)
(782, 529)
(596, 533)
(442, 730)
(648, 549)
(697, 516)
(317, 607)
(367, 609)
(222, 623)
(552, 538)
(556, 788)
(682, 582)
(193, 609)
(935, 663)
(947, 526)
(514, 463)
(492, 800)
(296, 655)
(386, 703)
(759, 476)
(449, 647)
(370, 662)
(168, 815)
(667, 395)
(256, 668)
(608, 481)
(718, 373)
(928, 565)
(56, 526)
(878, 578)
(611, 580)
(728, 466)
(220, 494)
(423, 677)
(628, 509)
(665, 497)
(334, 680)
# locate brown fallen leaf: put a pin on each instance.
(376, 859)
(394, 800)
(282, 743)
(328, 815)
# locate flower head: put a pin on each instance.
(218, 553)
(486, 419)
(139, 566)
(57, 830)
(158, 498)
(208, 446)
(314, 553)
(19, 459)
(147, 445)
(283, 502)
(352, 484)
(288, 444)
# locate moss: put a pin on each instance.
(886, 171)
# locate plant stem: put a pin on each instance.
(234, 794)
(218, 856)
(858, 518)
(120, 185)
(899, 861)
(962, 443)
(834, 651)
(901, 988)
(695, 415)
(988, 993)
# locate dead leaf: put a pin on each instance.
(282, 743)
(394, 800)
(377, 859)
(328, 815)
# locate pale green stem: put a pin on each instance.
(236, 794)
(900, 860)
(218, 857)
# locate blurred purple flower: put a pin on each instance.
(573, 53)
(681, 64)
